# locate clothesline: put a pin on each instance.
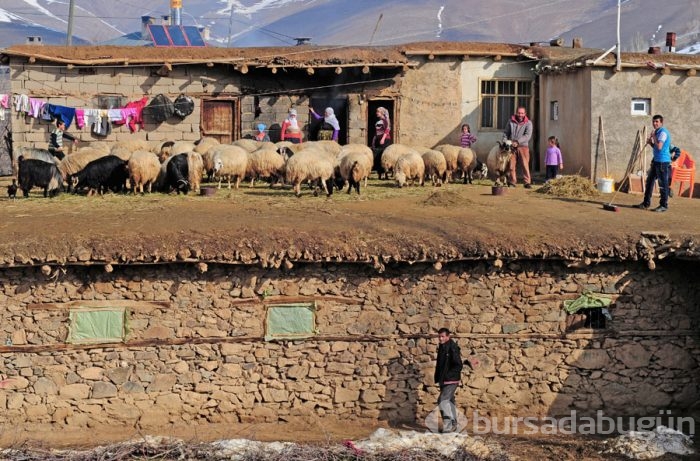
(131, 114)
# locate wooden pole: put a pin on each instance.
(605, 150)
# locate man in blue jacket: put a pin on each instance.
(448, 370)
(660, 169)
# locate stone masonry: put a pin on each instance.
(195, 351)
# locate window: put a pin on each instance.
(641, 106)
(500, 98)
(90, 325)
(290, 321)
(554, 110)
(111, 101)
(595, 318)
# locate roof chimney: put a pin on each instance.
(166, 19)
(145, 21)
(577, 42)
(34, 40)
(671, 41)
(175, 10)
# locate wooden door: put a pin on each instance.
(220, 119)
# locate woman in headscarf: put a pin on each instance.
(262, 135)
(290, 128)
(330, 127)
(383, 116)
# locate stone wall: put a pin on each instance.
(195, 351)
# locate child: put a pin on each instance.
(262, 135)
(466, 139)
(552, 159)
(56, 141)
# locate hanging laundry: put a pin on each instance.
(80, 118)
(5, 101)
(35, 106)
(114, 115)
(21, 102)
(65, 113)
(132, 113)
(92, 116)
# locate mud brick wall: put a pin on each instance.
(195, 350)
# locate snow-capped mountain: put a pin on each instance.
(363, 22)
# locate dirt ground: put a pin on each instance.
(452, 222)
(410, 224)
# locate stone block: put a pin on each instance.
(75, 391)
(91, 373)
(103, 390)
(343, 395)
(590, 359)
(162, 382)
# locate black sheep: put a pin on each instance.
(177, 174)
(38, 173)
(104, 173)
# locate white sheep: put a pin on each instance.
(265, 163)
(411, 167)
(132, 145)
(249, 145)
(451, 154)
(390, 155)
(203, 145)
(435, 166)
(181, 147)
(230, 162)
(498, 162)
(466, 161)
(361, 149)
(354, 167)
(122, 152)
(73, 163)
(311, 164)
(144, 168)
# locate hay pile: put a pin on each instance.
(572, 186)
(444, 197)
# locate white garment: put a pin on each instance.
(114, 115)
(21, 103)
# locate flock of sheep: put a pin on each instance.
(181, 166)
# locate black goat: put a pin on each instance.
(38, 173)
(104, 173)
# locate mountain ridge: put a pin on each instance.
(243, 23)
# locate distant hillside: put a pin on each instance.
(363, 22)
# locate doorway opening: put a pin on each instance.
(340, 108)
(372, 106)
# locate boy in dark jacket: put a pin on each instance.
(448, 370)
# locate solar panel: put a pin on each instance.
(177, 35)
(194, 36)
(159, 35)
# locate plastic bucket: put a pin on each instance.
(606, 185)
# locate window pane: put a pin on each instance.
(524, 88)
(506, 108)
(488, 87)
(506, 87)
(487, 112)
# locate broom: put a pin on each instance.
(609, 206)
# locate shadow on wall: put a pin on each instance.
(399, 404)
(643, 362)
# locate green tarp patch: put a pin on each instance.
(97, 325)
(290, 321)
(587, 300)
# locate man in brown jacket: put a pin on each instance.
(519, 131)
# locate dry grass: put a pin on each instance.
(572, 186)
(175, 449)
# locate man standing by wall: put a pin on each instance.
(660, 168)
(519, 131)
(448, 370)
